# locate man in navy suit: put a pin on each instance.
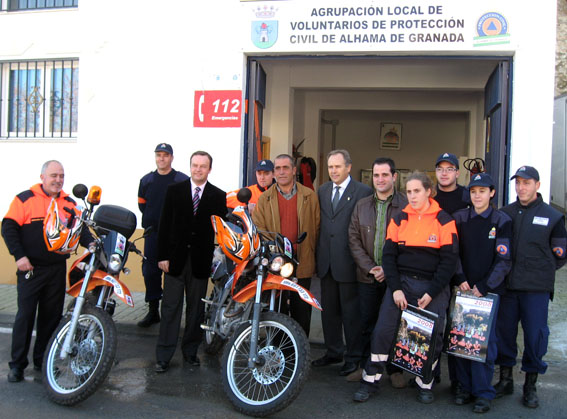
(336, 267)
(185, 251)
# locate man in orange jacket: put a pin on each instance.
(264, 177)
(41, 273)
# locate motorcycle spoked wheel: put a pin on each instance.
(273, 385)
(73, 379)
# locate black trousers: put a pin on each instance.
(341, 312)
(150, 269)
(175, 287)
(298, 309)
(44, 293)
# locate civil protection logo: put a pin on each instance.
(264, 32)
(491, 29)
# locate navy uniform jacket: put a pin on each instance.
(484, 249)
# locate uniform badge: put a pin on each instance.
(559, 251)
(502, 249)
(432, 238)
(492, 233)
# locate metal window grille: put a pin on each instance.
(39, 99)
(12, 5)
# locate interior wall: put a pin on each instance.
(424, 136)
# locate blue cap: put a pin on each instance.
(481, 179)
(527, 172)
(265, 165)
(448, 157)
(164, 147)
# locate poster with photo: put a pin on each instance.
(415, 340)
(470, 321)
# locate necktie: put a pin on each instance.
(196, 200)
(336, 198)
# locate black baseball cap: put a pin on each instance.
(265, 165)
(481, 179)
(164, 147)
(527, 172)
(448, 157)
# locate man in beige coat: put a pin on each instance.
(290, 208)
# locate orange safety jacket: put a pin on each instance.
(233, 202)
(424, 246)
(22, 226)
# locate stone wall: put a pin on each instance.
(561, 49)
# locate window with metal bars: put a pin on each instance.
(12, 5)
(39, 99)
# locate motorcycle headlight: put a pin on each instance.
(276, 264)
(114, 262)
(287, 270)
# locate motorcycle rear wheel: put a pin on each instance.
(73, 379)
(273, 385)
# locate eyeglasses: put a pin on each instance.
(445, 169)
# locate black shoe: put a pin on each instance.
(506, 384)
(192, 360)
(326, 360)
(347, 368)
(481, 405)
(153, 315)
(425, 396)
(530, 398)
(161, 366)
(15, 375)
(463, 397)
(364, 392)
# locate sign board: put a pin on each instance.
(217, 109)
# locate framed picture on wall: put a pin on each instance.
(402, 179)
(390, 135)
(366, 177)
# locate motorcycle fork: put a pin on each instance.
(253, 355)
(80, 300)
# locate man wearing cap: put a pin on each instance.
(151, 194)
(450, 195)
(484, 249)
(538, 250)
(264, 178)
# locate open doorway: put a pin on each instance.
(439, 104)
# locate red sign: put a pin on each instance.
(218, 108)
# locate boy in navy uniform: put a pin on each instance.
(484, 238)
(538, 250)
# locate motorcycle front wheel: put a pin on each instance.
(281, 372)
(73, 379)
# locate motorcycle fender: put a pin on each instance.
(279, 283)
(237, 272)
(102, 278)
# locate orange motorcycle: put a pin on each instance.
(265, 361)
(81, 351)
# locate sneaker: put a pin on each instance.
(364, 392)
(398, 381)
(481, 405)
(425, 396)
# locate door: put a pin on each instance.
(496, 110)
(255, 104)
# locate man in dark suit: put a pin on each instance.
(185, 252)
(336, 267)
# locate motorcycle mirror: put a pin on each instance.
(301, 237)
(80, 191)
(244, 195)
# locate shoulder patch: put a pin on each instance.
(25, 195)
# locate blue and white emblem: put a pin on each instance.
(264, 33)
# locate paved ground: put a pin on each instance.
(135, 390)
